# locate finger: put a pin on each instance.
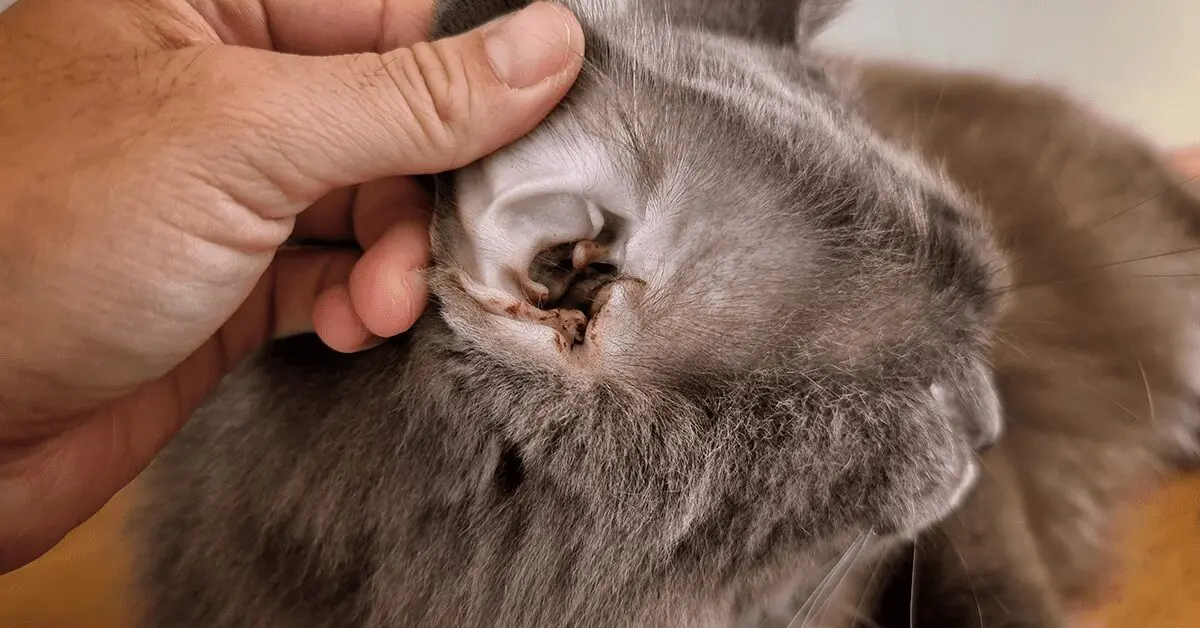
(361, 214)
(69, 478)
(316, 124)
(304, 290)
(382, 204)
(282, 302)
(319, 27)
(387, 286)
(330, 219)
(1188, 161)
(338, 325)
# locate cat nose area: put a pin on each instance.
(974, 407)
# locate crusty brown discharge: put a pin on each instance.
(571, 300)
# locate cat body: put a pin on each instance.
(1095, 357)
(718, 338)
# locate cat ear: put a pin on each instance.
(779, 21)
(454, 17)
(813, 16)
(785, 22)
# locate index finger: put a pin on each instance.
(319, 27)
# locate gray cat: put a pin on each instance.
(716, 345)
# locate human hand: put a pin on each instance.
(159, 152)
(1188, 161)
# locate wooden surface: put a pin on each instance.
(1161, 587)
(82, 583)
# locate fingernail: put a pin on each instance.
(534, 44)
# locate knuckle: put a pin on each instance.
(434, 84)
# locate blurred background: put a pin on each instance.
(1136, 60)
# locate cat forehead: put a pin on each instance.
(651, 71)
(662, 107)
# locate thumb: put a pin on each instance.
(430, 108)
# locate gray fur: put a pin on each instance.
(799, 377)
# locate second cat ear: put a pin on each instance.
(972, 402)
(813, 16)
(780, 21)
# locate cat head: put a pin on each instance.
(703, 263)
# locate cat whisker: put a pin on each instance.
(937, 104)
(860, 617)
(1116, 403)
(912, 590)
(1146, 202)
(836, 574)
(832, 595)
(1083, 277)
(1166, 276)
(966, 573)
(806, 607)
(1149, 393)
(1084, 383)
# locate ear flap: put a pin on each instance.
(453, 17)
(784, 22)
(814, 15)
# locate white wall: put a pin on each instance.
(1138, 60)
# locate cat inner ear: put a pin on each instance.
(541, 218)
(787, 22)
(972, 403)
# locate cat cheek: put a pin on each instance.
(615, 315)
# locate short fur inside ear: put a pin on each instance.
(784, 22)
